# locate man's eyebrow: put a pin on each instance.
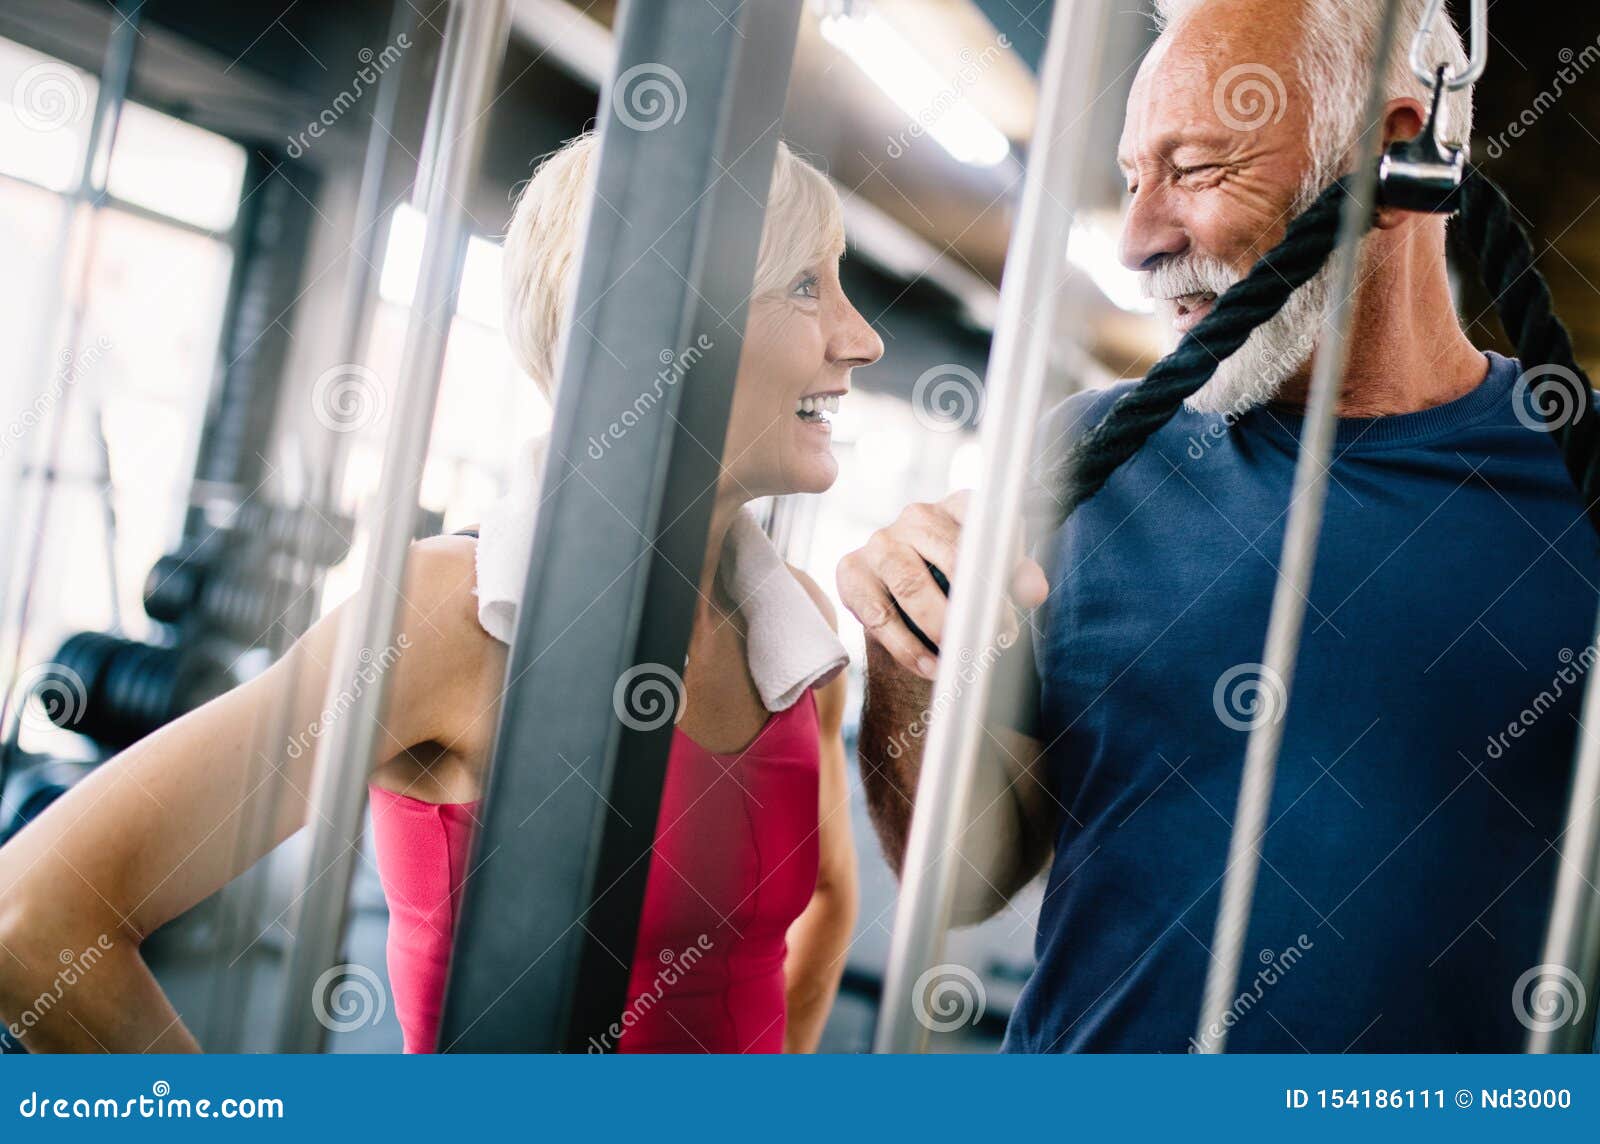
(1192, 135)
(1166, 143)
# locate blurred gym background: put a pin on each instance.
(192, 418)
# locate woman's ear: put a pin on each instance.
(1403, 120)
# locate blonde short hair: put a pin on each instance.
(804, 225)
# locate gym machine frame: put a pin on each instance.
(668, 257)
(474, 43)
(1019, 364)
(240, 908)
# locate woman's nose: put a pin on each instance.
(855, 341)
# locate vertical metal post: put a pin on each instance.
(422, 189)
(475, 42)
(70, 290)
(1015, 386)
(1294, 571)
(1569, 973)
(240, 905)
(689, 130)
(355, 311)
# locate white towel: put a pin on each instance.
(505, 540)
(788, 641)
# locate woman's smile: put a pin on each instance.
(817, 409)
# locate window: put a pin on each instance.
(132, 390)
(487, 406)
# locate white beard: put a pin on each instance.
(1274, 352)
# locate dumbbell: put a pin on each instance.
(27, 796)
(117, 691)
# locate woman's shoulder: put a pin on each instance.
(448, 665)
(439, 597)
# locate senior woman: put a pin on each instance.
(753, 846)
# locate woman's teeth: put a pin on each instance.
(818, 410)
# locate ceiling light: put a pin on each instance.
(916, 86)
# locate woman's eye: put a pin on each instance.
(806, 287)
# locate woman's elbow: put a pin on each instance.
(25, 925)
(48, 940)
(839, 889)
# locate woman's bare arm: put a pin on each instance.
(820, 937)
(158, 828)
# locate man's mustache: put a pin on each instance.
(1187, 275)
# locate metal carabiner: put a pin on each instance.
(1423, 174)
(1479, 52)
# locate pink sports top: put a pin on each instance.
(734, 864)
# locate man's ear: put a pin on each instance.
(1403, 119)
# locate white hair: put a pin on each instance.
(804, 224)
(1336, 59)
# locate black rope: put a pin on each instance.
(1088, 463)
(1562, 397)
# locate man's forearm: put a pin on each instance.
(890, 749)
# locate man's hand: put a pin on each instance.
(892, 567)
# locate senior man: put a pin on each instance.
(1407, 869)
